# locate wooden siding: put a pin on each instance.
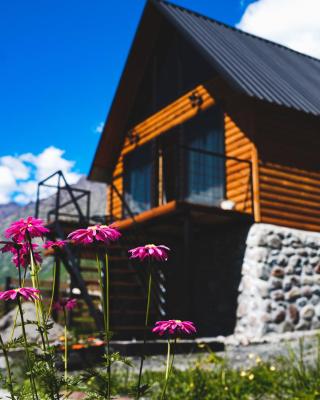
(289, 196)
(174, 114)
(238, 174)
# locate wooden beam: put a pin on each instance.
(255, 183)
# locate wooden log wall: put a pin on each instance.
(174, 114)
(289, 196)
(238, 174)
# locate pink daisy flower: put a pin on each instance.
(150, 251)
(22, 257)
(58, 244)
(67, 304)
(11, 247)
(18, 229)
(95, 233)
(174, 327)
(27, 293)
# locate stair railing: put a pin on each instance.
(75, 195)
(158, 297)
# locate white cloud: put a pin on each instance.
(293, 23)
(7, 184)
(19, 175)
(99, 128)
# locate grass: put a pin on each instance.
(212, 378)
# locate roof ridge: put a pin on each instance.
(197, 14)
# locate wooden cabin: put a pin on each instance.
(211, 129)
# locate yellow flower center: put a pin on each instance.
(149, 246)
(177, 321)
(93, 227)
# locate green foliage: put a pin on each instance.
(211, 378)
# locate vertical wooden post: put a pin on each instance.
(255, 183)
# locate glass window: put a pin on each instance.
(205, 172)
(137, 179)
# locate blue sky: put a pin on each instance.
(60, 64)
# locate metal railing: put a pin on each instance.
(65, 202)
(158, 294)
(193, 175)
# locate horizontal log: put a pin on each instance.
(242, 155)
(230, 139)
(240, 197)
(238, 183)
(240, 143)
(289, 184)
(266, 187)
(291, 224)
(271, 212)
(233, 174)
(290, 176)
(285, 206)
(238, 190)
(297, 171)
(233, 167)
(180, 106)
(289, 199)
(232, 131)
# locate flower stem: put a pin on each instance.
(53, 289)
(65, 345)
(142, 357)
(29, 364)
(168, 367)
(17, 311)
(106, 319)
(5, 354)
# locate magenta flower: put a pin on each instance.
(21, 253)
(174, 327)
(95, 233)
(150, 251)
(23, 258)
(11, 247)
(27, 293)
(58, 244)
(33, 226)
(65, 304)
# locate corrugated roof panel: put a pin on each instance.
(256, 66)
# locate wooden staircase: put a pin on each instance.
(128, 279)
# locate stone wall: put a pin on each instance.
(280, 285)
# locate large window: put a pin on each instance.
(137, 179)
(205, 170)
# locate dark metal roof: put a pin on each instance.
(255, 66)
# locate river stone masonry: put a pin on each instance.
(280, 285)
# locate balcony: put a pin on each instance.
(187, 175)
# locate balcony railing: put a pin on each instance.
(192, 175)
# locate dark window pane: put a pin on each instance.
(205, 172)
(137, 179)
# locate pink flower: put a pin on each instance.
(174, 327)
(22, 257)
(10, 247)
(21, 253)
(151, 251)
(97, 233)
(58, 244)
(18, 229)
(27, 293)
(65, 304)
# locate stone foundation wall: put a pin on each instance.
(280, 285)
